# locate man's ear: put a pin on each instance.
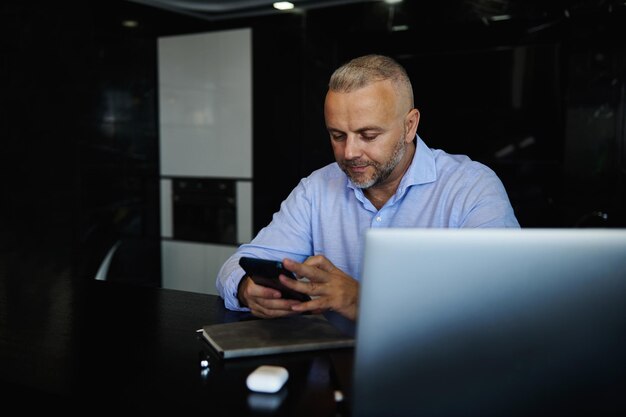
(411, 122)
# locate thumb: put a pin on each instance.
(320, 262)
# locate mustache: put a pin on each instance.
(356, 163)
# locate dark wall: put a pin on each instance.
(538, 97)
(79, 136)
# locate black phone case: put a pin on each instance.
(265, 272)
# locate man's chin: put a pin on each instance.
(362, 184)
(359, 179)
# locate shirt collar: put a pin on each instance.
(421, 171)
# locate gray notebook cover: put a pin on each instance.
(271, 336)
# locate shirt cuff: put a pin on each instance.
(232, 286)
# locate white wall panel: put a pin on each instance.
(205, 104)
(244, 211)
(205, 116)
(191, 266)
(166, 208)
(215, 256)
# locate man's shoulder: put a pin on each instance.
(459, 165)
(323, 182)
(330, 172)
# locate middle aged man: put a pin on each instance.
(384, 176)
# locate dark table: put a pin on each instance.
(97, 346)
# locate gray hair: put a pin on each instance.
(369, 69)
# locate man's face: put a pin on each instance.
(368, 133)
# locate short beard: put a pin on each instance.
(381, 171)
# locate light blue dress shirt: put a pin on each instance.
(326, 214)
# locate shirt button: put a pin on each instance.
(378, 218)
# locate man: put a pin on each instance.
(384, 176)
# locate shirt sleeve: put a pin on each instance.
(287, 236)
(485, 202)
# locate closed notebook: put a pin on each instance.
(273, 336)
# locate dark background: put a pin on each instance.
(538, 97)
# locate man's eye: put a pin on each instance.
(338, 138)
(369, 137)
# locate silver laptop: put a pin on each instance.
(491, 323)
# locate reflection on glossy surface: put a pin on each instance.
(266, 403)
(77, 342)
(40, 310)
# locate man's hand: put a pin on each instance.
(329, 286)
(264, 302)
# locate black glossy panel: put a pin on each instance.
(534, 89)
(96, 346)
(204, 210)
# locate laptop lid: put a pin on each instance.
(491, 322)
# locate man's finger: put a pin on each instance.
(313, 273)
(314, 305)
(310, 288)
(320, 262)
(267, 308)
(259, 291)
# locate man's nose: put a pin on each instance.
(353, 148)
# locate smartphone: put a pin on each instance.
(265, 272)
